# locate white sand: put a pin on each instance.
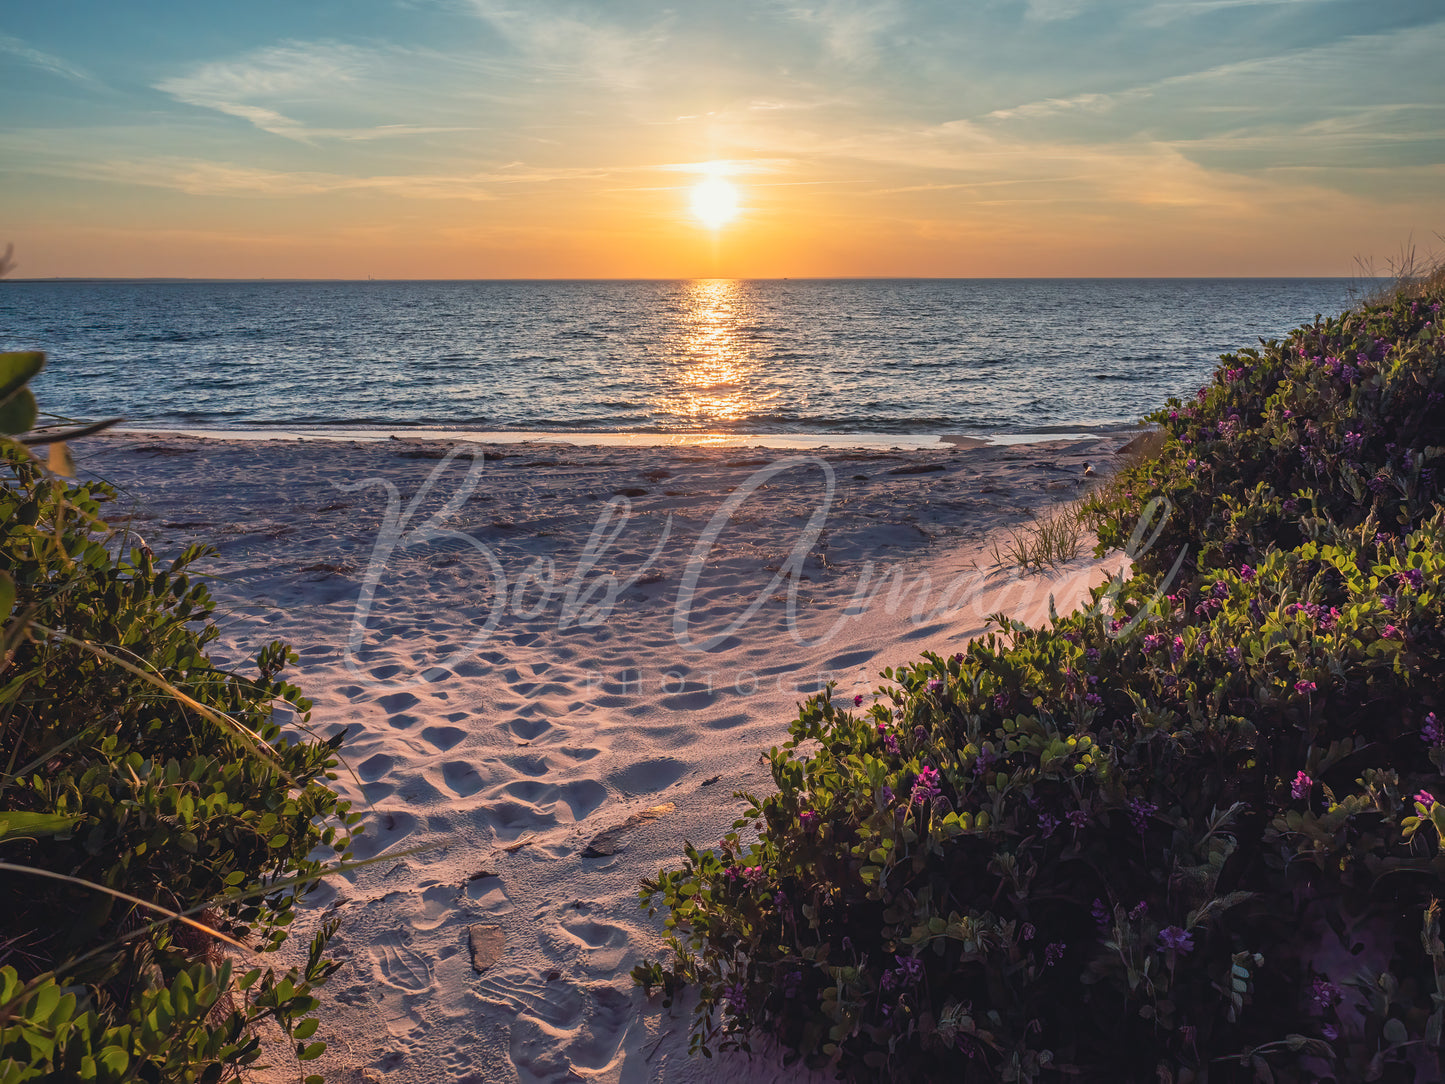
(558, 654)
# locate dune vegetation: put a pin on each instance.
(1189, 832)
(155, 823)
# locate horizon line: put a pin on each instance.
(161, 279)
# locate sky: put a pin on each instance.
(547, 139)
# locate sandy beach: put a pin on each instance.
(530, 645)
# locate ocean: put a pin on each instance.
(902, 357)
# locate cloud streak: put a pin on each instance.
(258, 86)
(47, 62)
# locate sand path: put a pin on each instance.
(530, 648)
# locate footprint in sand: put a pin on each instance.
(461, 778)
(400, 966)
(647, 776)
(443, 737)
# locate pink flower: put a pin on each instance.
(1426, 799)
(925, 787)
(1304, 687)
(1300, 788)
(858, 701)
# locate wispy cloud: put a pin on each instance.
(259, 85)
(1168, 11)
(196, 177)
(199, 177)
(576, 42)
(1078, 103)
(850, 29)
(1048, 11)
(48, 62)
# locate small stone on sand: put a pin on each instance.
(488, 943)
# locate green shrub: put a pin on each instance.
(139, 782)
(1142, 843)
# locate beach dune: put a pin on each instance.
(555, 664)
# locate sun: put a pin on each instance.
(715, 202)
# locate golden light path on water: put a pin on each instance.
(716, 370)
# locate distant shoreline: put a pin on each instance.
(168, 281)
(608, 439)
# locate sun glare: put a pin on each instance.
(715, 202)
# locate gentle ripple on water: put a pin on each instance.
(846, 356)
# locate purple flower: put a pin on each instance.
(1139, 813)
(1353, 441)
(920, 735)
(1325, 995)
(791, 981)
(1391, 633)
(910, 969)
(934, 685)
(1101, 914)
(890, 743)
(858, 701)
(1028, 931)
(1426, 799)
(1232, 654)
(1092, 654)
(1177, 650)
(1304, 687)
(1291, 505)
(1000, 701)
(1221, 589)
(925, 787)
(1077, 818)
(1093, 699)
(1176, 939)
(1152, 641)
(808, 819)
(1300, 788)
(1246, 573)
(887, 981)
(1139, 910)
(888, 796)
(1432, 732)
(1048, 824)
(1388, 601)
(1414, 577)
(1053, 953)
(736, 996)
(1191, 463)
(959, 657)
(983, 761)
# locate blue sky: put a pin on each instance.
(465, 138)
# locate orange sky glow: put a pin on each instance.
(555, 140)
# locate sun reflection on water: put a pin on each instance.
(717, 371)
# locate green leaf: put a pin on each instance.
(15, 824)
(18, 369)
(18, 413)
